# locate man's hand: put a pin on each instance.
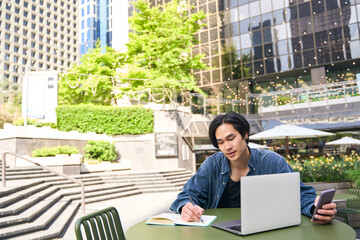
(327, 212)
(191, 213)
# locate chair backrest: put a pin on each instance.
(103, 224)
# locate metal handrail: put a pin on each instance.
(48, 169)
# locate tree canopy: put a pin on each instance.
(159, 47)
(158, 58)
(93, 80)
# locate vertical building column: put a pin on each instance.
(243, 87)
(318, 76)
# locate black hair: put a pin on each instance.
(238, 121)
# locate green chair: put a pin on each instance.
(352, 207)
(103, 224)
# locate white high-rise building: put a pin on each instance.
(42, 34)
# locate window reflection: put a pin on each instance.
(270, 65)
(269, 50)
(320, 22)
(277, 4)
(351, 32)
(267, 36)
(318, 6)
(304, 10)
(255, 23)
(307, 42)
(334, 17)
(355, 49)
(244, 26)
(265, 6)
(259, 68)
(279, 32)
(309, 58)
(337, 52)
(255, 8)
(245, 40)
(323, 55)
(256, 38)
(321, 38)
(258, 52)
(283, 63)
(297, 60)
(281, 47)
(335, 35)
(279, 17)
(305, 26)
(243, 12)
(267, 20)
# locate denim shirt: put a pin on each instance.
(207, 185)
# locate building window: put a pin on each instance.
(7, 46)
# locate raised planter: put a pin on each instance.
(63, 163)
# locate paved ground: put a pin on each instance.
(131, 209)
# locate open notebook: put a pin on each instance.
(175, 219)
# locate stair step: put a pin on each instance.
(7, 192)
(29, 176)
(31, 213)
(113, 196)
(24, 172)
(101, 192)
(39, 224)
(8, 200)
(56, 228)
(21, 205)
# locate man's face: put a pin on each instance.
(230, 142)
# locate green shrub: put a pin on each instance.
(105, 119)
(53, 151)
(35, 122)
(100, 150)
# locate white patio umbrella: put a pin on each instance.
(286, 131)
(255, 145)
(345, 141)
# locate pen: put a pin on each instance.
(195, 206)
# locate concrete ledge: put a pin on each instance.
(104, 167)
(62, 163)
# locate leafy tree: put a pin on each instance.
(84, 82)
(159, 47)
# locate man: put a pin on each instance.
(216, 184)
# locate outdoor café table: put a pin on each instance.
(306, 230)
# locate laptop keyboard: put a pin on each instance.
(235, 227)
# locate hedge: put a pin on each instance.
(105, 119)
(53, 151)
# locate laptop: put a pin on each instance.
(267, 202)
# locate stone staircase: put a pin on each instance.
(38, 205)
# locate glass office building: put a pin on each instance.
(103, 20)
(260, 46)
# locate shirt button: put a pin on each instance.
(223, 183)
(218, 196)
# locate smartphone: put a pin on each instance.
(325, 198)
